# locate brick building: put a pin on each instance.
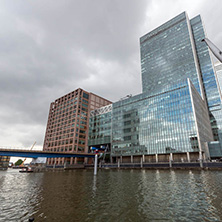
(68, 124)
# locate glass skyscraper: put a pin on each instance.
(179, 111)
(218, 70)
(168, 56)
(173, 52)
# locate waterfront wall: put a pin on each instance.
(193, 165)
(164, 165)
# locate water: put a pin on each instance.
(113, 195)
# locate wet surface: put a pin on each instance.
(113, 195)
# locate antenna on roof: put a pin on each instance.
(126, 97)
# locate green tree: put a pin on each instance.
(18, 162)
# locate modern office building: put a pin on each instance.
(215, 147)
(218, 70)
(168, 56)
(175, 121)
(100, 130)
(177, 116)
(179, 111)
(68, 124)
(100, 124)
(173, 52)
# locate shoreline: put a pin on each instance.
(147, 166)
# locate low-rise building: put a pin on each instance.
(153, 126)
(4, 162)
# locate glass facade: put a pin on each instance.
(168, 56)
(205, 64)
(163, 123)
(208, 77)
(218, 70)
(100, 126)
(174, 51)
(202, 121)
(179, 110)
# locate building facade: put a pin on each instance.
(177, 116)
(218, 70)
(215, 147)
(175, 121)
(68, 124)
(173, 52)
(168, 56)
(100, 124)
(100, 131)
(179, 111)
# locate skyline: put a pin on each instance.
(45, 55)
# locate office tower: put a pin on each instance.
(215, 147)
(68, 124)
(179, 111)
(170, 116)
(168, 56)
(218, 70)
(173, 52)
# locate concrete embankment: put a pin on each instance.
(192, 165)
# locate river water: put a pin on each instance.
(113, 195)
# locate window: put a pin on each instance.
(86, 96)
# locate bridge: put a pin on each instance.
(48, 154)
(40, 153)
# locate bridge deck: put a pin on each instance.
(40, 153)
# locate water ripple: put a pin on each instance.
(113, 195)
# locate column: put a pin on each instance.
(188, 157)
(143, 158)
(170, 159)
(201, 159)
(95, 164)
(131, 158)
(156, 158)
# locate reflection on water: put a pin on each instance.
(112, 195)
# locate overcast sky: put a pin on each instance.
(51, 47)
